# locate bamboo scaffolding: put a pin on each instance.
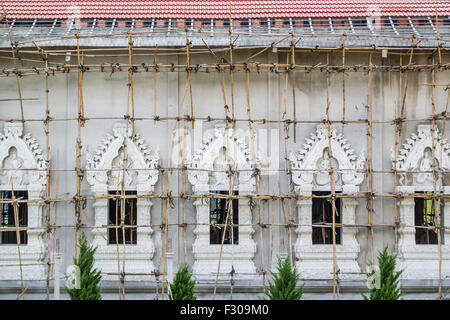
(289, 72)
(332, 174)
(208, 68)
(48, 195)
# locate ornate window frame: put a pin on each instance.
(316, 261)
(29, 176)
(141, 175)
(421, 261)
(238, 256)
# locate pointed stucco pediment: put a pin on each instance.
(311, 166)
(416, 156)
(23, 163)
(104, 166)
(20, 158)
(220, 149)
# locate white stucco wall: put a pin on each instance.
(105, 95)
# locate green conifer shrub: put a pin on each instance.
(182, 287)
(390, 288)
(89, 277)
(284, 283)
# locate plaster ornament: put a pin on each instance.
(22, 164)
(311, 165)
(105, 172)
(208, 170)
(419, 172)
(311, 169)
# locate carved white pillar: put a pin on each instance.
(304, 230)
(407, 231)
(144, 234)
(420, 261)
(446, 221)
(316, 260)
(347, 252)
(204, 258)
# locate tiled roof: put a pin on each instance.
(219, 9)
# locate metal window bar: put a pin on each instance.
(370, 25)
(250, 25)
(94, 23)
(31, 28)
(291, 26)
(72, 21)
(393, 25)
(192, 24)
(113, 25)
(269, 29)
(132, 25)
(412, 26)
(152, 27)
(169, 26)
(52, 27)
(311, 25)
(8, 218)
(351, 24)
(432, 24)
(330, 21)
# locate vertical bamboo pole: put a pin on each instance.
(130, 83)
(437, 202)
(231, 64)
(47, 166)
(229, 209)
(13, 53)
(292, 69)
(344, 38)
(78, 205)
(332, 174)
(154, 89)
(369, 147)
(56, 210)
(16, 224)
(188, 60)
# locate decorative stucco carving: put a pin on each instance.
(220, 150)
(142, 162)
(416, 165)
(238, 154)
(310, 166)
(311, 172)
(22, 162)
(105, 171)
(416, 157)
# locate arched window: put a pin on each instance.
(419, 172)
(136, 170)
(22, 177)
(223, 165)
(311, 169)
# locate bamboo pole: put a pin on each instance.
(48, 195)
(16, 225)
(79, 174)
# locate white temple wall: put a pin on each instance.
(105, 95)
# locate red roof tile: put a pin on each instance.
(219, 9)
